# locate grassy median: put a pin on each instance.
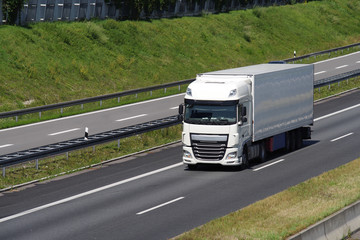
(84, 158)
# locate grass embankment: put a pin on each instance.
(55, 62)
(290, 211)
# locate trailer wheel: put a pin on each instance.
(263, 152)
(288, 142)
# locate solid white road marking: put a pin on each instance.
(334, 113)
(358, 62)
(124, 119)
(66, 131)
(161, 205)
(342, 66)
(6, 145)
(268, 165)
(319, 72)
(346, 135)
(89, 192)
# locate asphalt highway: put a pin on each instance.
(48, 132)
(152, 196)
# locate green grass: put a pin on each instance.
(62, 61)
(336, 88)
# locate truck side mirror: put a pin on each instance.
(181, 109)
(181, 112)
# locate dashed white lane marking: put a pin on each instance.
(174, 108)
(268, 165)
(344, 136)
(124, 119)
(342, 66)
(161, 205)
(91, 113)
(6, 145)
(66, 131)
(319, 72)
(334, 113)
(89, 192)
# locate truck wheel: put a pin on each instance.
(298, 139)
(245, 159)
(263, 152)
(288, 142)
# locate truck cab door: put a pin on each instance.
(244, 121)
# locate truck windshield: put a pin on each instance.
(210, 112)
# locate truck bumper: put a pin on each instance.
(229, 158)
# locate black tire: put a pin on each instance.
(245, 159)
(293, 140)
(287, 142)
(192, 166)
(263, 152)
(298, 139)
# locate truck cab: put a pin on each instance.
(216, 122)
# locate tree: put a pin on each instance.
(13, 9)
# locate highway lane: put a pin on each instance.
(153, 197)
(35, 135)
(338, 65)
(53, 131)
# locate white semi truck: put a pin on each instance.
(233, 116)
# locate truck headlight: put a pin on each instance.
(231, 155)
(187, 154)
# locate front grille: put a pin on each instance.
(210, 148)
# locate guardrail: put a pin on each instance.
(336, 78)
(78, 143)
(40, 109)
(92, 99)
(294, 59)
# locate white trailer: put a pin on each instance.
(235, 115)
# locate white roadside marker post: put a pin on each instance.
(86, 133)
